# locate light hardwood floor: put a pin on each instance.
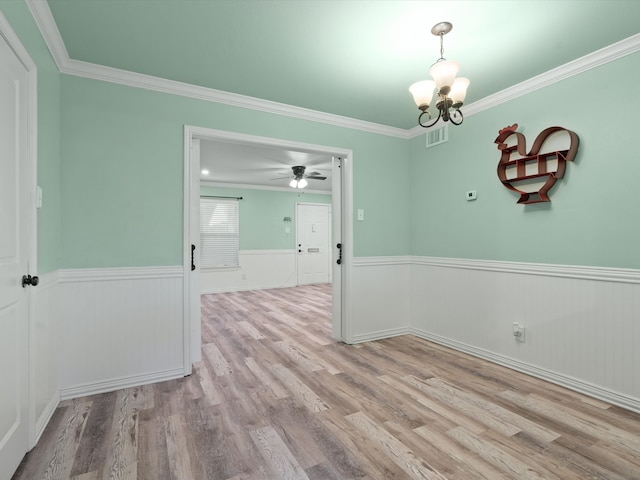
(276, 398)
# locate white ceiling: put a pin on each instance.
(236, 163)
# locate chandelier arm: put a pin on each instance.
(456, 113)
(429, 124)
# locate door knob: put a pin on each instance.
(29, 280)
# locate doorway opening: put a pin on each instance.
(341, 230)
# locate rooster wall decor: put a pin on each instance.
(532, 174)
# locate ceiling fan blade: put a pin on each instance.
(280, 178)
(314, 177)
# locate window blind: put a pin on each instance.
(219, 238)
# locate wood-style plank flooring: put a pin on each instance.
(276, 398)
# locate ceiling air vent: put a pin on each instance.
(437, 135)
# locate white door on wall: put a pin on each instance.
(14, 252)
(313, 238)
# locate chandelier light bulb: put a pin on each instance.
(444, 73)
(459, 91)
(423, 93)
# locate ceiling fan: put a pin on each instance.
(299, 177)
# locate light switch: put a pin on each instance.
(287, 230)
(361, 214)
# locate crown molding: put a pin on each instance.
(248, 186)
(49, 30)
(595, 59)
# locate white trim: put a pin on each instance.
(607, 274)
(208, 183)
(120, 383)
(566, 381)
(380, 335)
(624, 275)
(118, 273)
(49, 30)
(381, 261)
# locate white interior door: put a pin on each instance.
(14, 255)
(313, 235)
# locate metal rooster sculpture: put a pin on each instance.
(532, 174)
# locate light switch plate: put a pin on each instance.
(361, 214)
(471, 195)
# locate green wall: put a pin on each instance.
(110, 166)
(49, 235)
(262, 212)
(592, 217)
(122, 167)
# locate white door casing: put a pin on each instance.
(313, 240)
(17, 245)
(194, 278)
(338, 274)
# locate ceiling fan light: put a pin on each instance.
(302, 183)
(459, 91)
(444, 73)
(293, 183)
(423, 93)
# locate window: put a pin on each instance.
(219, 239)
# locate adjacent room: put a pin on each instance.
(307, 239)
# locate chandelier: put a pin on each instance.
(450, 90)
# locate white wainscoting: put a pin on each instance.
(44, 355)
(120, 327)
(259, 270)
(379, 298)
(582, 324)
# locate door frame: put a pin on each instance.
(191, 316)
(330, 232)
(30, 210)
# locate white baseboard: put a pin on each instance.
(380, 335)
(571, 383)
(119, 383)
